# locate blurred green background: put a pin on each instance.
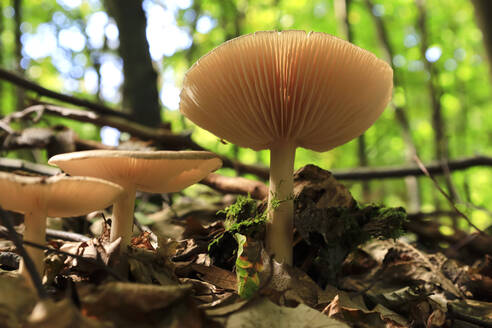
(436, 48)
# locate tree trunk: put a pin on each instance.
(483, 11)
(140, 95)
(2, 49)
(20, 94)
(342, 8)
(438, 124)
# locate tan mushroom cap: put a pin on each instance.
(59, 196)
(312, 89)
(148, 171)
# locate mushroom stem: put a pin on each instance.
(122, 223)
(281, 223)
(35, 231)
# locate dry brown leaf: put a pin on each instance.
(140, 305)
(352, 309)
(219, 277)
(150, 267)
(262, 313)
(142, 241)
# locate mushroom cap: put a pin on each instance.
(57, 195)
(311, 89)
(149, 171)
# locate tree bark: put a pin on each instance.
(2, 27)
(140, 93)
(441, 148)
(483, 11)
(20, 95)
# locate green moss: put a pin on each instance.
(242, 217)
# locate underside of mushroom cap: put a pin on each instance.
(311, 89)
(56, 196)
(148, 171)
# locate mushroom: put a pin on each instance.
(148, 171)
(60, 196)
(283, 90)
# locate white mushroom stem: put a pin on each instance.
(35, 231)
(122, 220)
(281, 222)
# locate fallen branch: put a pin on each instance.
(163, 137)
(236, 185)
(26, 84)
(57, 234)
(428, 230)
(391, 172)
(12, 165)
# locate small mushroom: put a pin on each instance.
(148, 171)
(283, 90)
(59, 196)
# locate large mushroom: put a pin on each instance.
(57, 196)
(283, 90)
(148, 171)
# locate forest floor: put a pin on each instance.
(194, 265)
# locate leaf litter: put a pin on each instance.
(351, 270)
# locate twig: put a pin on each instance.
(52, 233)
(448, 198)
(429, 230)
(31, 268)
(12, 164)
(66, 235)
(162, 136)
(391, 172)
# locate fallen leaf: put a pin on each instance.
(352, 309)
(476, 312)
(262, 313)
(142, 241)
(219, 277)
(141, 305)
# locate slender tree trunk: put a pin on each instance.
(231, 13)
(2, 26)
(441, 151)
(140, 93)
(20, 95)
(483, 11)
(191, 51)
(342, 9)
(412, 184)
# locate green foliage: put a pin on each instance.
(248, 265)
